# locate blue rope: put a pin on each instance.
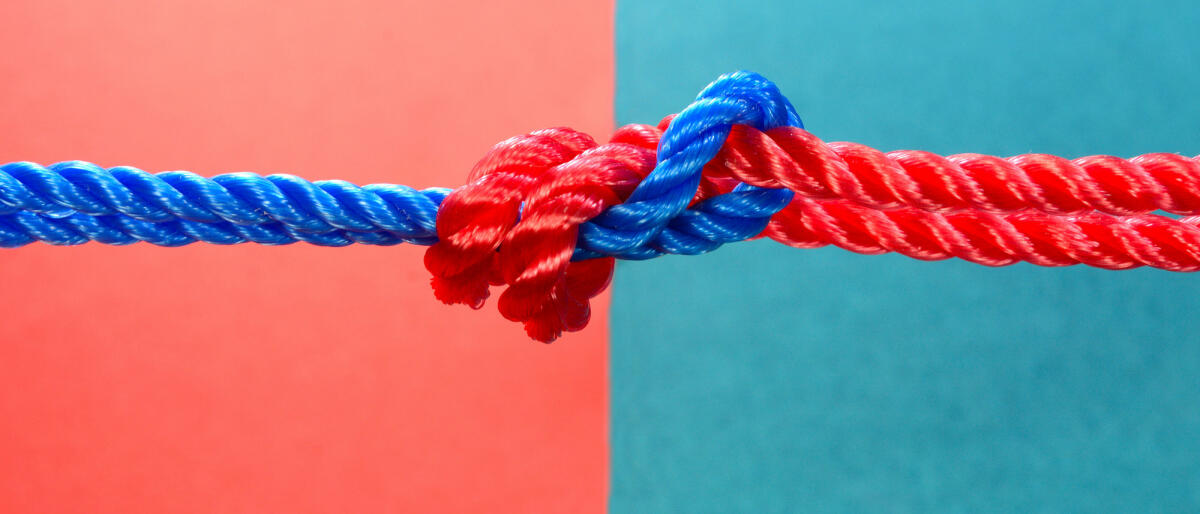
(655, 219)
(75, 202)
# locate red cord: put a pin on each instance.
(1035, 208)
(562, 180)
(1095, 239)
(993, 239)
(907, 178)
(547, 291)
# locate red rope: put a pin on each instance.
(907, 178)
(562, 180)
(547, 291)
(1095, 239)
(1035, 208)
(797, 160)
(475, 217)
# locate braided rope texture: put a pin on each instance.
(545, 214)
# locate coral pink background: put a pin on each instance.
(288, 379)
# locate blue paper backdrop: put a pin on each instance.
(763, 378)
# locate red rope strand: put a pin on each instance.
(547, 291)
(1094, 239)
(795, 159)
(475, 217)
(907, 178)
(994, 211)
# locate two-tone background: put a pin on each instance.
(756, 379)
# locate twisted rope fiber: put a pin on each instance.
(993, 239)
(75, 202)
(1094, 239)
(544, 214)
(908, 178)
(475, 217)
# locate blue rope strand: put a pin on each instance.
(648, 224)
(230, 208)
(74, 202)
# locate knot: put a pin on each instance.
(546, 291)
(642, 227)
(551, 181)
(545, 213)
(474, 218)
(518, 225)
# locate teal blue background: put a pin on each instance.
(762, 378)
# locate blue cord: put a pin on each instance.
(653, 220)
(74, 202)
